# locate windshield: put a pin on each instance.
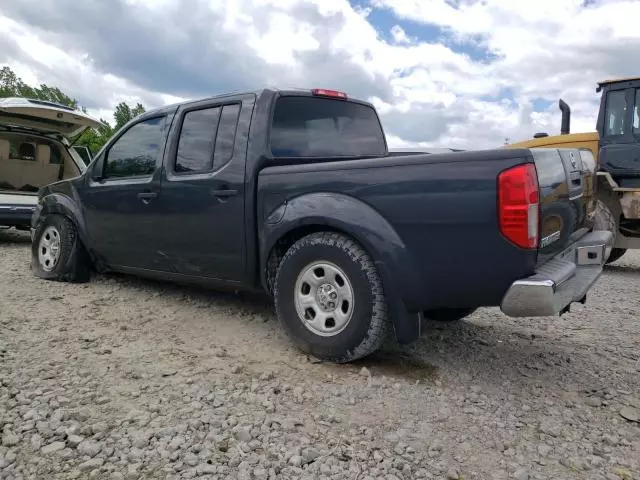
(308, 127)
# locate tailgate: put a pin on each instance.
(44, 117)
(567, 196)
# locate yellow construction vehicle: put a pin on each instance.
(615, 146)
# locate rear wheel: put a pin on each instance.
(57, 253)
(604, 220)
(329, 298)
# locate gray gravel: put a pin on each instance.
(123, 379)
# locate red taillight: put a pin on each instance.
(323, 92)
(518, 198)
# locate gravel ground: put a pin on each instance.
(125, 378)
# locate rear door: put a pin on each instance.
(120, 196)
(202, 197)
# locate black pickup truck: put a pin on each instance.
(295, 193)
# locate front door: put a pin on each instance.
(203, 193)
(121, 196)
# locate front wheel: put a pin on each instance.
(329, 298)
(57, 253)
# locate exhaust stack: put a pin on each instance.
(566, 117)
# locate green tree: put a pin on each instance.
(123, 113)
(10, 84)
(95, 139)
(13, 86)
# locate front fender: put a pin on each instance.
(357, 219)
(62, 204)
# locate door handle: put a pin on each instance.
(224, 192)
(147, 196)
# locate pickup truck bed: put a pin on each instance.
(295, 192)
(419, 201)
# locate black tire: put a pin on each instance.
(448, 314)
(616, 253)
(72, 264)
(604, 220)
(367, 327)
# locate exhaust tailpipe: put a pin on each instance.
(566, 117)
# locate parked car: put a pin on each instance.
(295, 193)
(35, 139)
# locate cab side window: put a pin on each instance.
(207, 138)
(197, 140)
(225, 138)
(134, 154)
(636, 112)
(615, 122)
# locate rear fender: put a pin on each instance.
(402, 282)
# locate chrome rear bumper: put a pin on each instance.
(561, 281)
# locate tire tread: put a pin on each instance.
(379, 324)
(73, 266)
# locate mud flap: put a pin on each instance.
(407, 326)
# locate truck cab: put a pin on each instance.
(619, 131)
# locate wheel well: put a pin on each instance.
(284, 243)
(406, 327)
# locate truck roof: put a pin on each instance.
(258, 93)
(603, 83)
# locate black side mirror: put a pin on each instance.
(97, 170)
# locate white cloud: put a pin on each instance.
(427, 92)
(43, 62)
(284, 37)
(545, 50)
(399, 35)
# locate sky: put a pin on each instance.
(442, 73)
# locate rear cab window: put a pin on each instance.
(320, 127)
